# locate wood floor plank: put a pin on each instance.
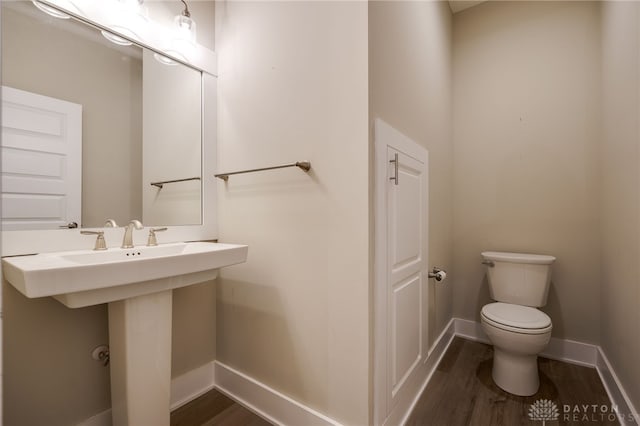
(201, 409)
(215, 409)
(237, 415)
(462, 392)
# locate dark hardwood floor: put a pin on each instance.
(214, 408)
(461, 392)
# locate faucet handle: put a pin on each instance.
(101, 244)
(152, 241)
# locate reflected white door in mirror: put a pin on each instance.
(41, 161)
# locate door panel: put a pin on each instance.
(41, 161)
(405, 211)
(401, 259)
(406, 329)
(34, 163)
(32, 119)
(405, 264)
(18, 207)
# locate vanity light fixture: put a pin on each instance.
(50, 10)
(186, 27)
(183, 39)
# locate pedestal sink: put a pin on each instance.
(137, 284)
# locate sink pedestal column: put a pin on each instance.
(140, 358)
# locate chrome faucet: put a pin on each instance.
(127, 241)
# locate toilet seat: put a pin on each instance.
(516, 318)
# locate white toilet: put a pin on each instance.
(518, 331)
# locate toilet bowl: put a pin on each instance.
(518, 334)
(519, 283)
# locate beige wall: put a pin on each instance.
(50, 61)
(526, 146)
(410, 88)
(293, 86)
(620, 151)
(49, 376)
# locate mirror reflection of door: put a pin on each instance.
(69, 60)
(41, 161)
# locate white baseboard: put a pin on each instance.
(192, 384)
(628, 415)
(470, 330)
(405, 405)
(573, 352)
(184, 388)
(265, 401)
(559, 349)
(432, 361)
(283, 410)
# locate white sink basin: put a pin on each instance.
(137, 284)
(88, 277)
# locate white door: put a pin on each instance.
(41, 161)
(401, 271)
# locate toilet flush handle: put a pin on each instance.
(489, 263)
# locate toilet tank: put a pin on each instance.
(518, 278)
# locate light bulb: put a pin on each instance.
(129, 19)
(131, 6)
(164, 60)
(50, 10)
(182, 41)
(115, 38)
(185, 28)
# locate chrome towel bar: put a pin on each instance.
(303, 165)
(160, 184)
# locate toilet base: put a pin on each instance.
(515, 373)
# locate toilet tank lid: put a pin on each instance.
(498, 256)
